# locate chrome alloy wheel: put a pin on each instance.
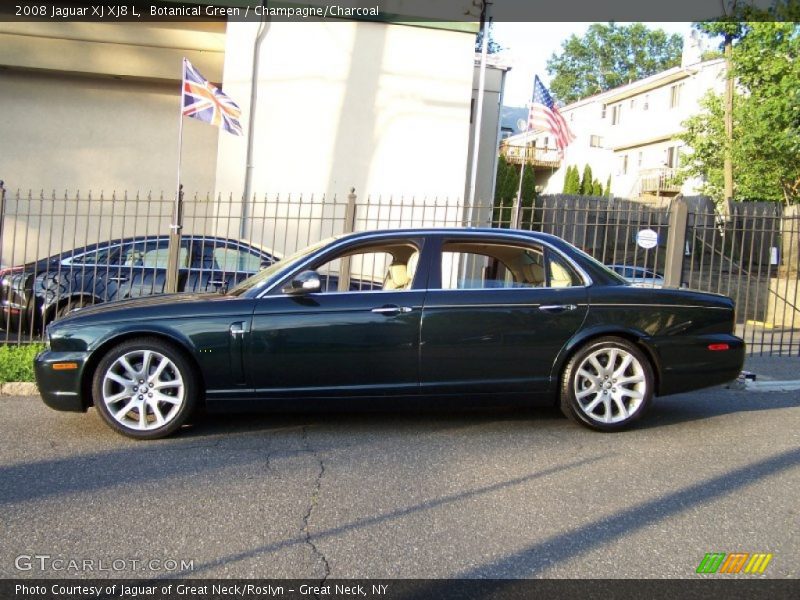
(143, 390)
(610, 385)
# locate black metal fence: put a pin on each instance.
(749, 253)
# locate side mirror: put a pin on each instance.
(305, 282)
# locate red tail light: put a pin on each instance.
(718, 347)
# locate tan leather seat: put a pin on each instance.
(400, 275)
(396, 277)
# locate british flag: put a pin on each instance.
(204, 101)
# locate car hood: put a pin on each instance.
(161, 300)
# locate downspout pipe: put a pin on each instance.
(248, 173)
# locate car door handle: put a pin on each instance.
(558, 308)
(238, 329)
(392, 310)
(118, 279)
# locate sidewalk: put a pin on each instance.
(774, 368)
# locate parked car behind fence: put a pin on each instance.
(36, 293)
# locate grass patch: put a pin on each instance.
(16, 362)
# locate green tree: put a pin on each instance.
(572, 181)
(766, 121)
(567, 178)
(492, 47)
(528, 197)
(586, 181)
(505, 190)
(608, 186)
(597, 188)
(608, 56)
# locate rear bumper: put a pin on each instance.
(61, 389)
(693, 365)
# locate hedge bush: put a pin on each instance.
(16, 362)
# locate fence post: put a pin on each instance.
(676, 242)
(790, 242)
(350, 212)
(349, 227)
(174, 251)
(2, 212)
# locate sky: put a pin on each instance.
(527, 46)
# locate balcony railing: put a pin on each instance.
(537, 157)
(662, 180)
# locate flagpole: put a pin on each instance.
(518, 204)
(171, 285)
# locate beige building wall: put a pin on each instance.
(378, 107)
(94, 106)
(373, 106)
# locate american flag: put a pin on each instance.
(545, 116)
(204, 101)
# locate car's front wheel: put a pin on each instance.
(145, 388)
(607, 385)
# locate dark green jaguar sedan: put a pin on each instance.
(442, 316)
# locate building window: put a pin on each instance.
(633, 103)
(546, 142)
(603, 112)
(646, 104)
(595, 141)
(623, 167)
(675, 95)
(616, 114)
(672, 157)
(639, 160)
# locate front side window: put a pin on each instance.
(95, 257)
(477, 266)
(383, 267)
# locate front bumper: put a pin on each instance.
(61, 388)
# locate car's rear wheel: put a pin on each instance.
(607, 385)
(145, 388)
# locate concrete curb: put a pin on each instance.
(18, 388)
(773, 386)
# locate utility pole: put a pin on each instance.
(728, 164)
(476, 138)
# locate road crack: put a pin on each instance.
(312, 504)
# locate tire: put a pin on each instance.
(607, 385)
(145, 388)
(71, 305)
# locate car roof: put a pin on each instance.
(449, 231)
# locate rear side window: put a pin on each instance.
(478, 265)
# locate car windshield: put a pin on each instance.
(266, 274)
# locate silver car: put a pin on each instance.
(639, 276)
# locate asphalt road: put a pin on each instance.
(520, 493)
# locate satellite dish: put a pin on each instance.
(522, 124)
